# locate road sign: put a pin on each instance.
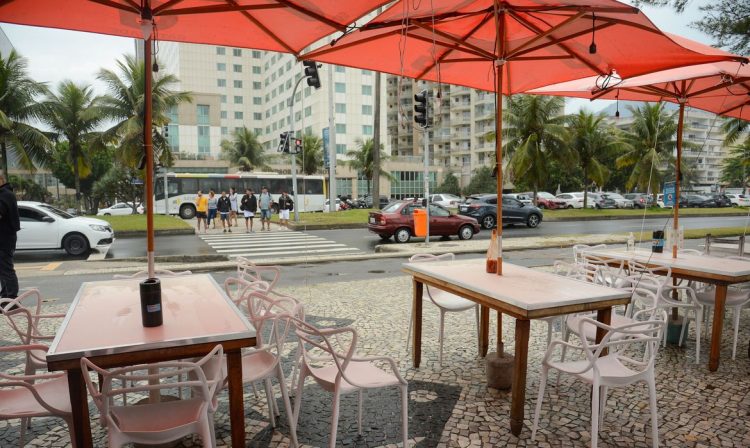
(669, 194)
(136, 181)
(326, 158)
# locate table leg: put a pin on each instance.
(604, 316)
(518, 389)
(79, 403)
(417, 323)
(484, 331)
(236, 400)
(718, 325)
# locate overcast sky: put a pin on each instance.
(55, 55)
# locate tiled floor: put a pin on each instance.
(450, 406)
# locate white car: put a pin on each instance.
(524, 198)
(620, 200)
(327, 207)
(120, 208)
(574, 200)
(45, 227)
(739, 200)
(446, 200)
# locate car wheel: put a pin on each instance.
(385, 237)
(569, 206)
(75, 244)
(402, 235)
(187, 212)
(541, 206)
(533, 220)
(108, 214)
(597, 207)
(488, 222)
(466, 232)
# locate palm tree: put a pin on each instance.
(125, 104)
(362, 161)
(18, 107)
(734, 128)
(736, 168)
(534, 135)
(311, 157)
(73, 114)
(589, 138)
(244, 150)
(650, 142)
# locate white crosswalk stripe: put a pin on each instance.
(275, 245)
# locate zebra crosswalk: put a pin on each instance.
(281, 244)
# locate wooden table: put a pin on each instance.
(520, 292)
(104, 325)
(717, 271)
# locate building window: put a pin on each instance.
(257, 116)
(203, 114)
(340, 108)
(221, 50)
(223, 114)
(237, 68)
(340, 69)
(367, 129)
(257, 100)
(204, 140)
(367, 72)
(340, 87)
(366, 90)
(340, 148)
(308, 111)
(256, 54)
(224, 130)
(366, 109)
(220, 66)
(289, 65)
(221, 82)
(307, 92)
(238, 115)
(257, 85)
(237, 83)
(256, 69)
(236, 51)
(344, 186)
(308, 130)
(174, 137)
(340, 128)
(223, 99)
(237, 99)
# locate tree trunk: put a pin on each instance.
(376, 146)
(76, 176)
(585, 189)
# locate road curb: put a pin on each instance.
(170, 259)
(549, 217)
(164, 232)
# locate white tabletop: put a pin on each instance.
(105, 318)
(524, 288)
(726, 267)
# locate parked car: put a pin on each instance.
(546, 200)
(721, 200)
(120, 208)
(327, 206)
(484, 209)
(46, 227)
(640, 200)
(739, 200)
(446, 200)
(620, 201)
(383, 201)
(601, 201)
(573, 200)
(526, 198)
(694, 200)
(397, 220)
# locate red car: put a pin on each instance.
(397, 220)
(546, 200)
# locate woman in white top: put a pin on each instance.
(233, 205)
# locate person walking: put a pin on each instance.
(249, 205)
(233, 203)
(212, 207)
(285, 206)
(224, 206)
(264, 203)
(201, 211)
(10, 224)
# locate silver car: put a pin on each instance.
(620, 200)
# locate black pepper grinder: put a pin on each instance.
(151, 302)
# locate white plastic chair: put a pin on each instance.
(163, 421)
(36, 395)
(159, 272)
(340, 371)
(736, 300)
(445, 301)
(248, 270)
(579, 249)
(620, 367)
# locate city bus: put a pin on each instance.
(182, 188)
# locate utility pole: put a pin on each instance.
(331, 144)
(420, 117)
(376, 146)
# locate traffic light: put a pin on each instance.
(283, 142)
(297, 145)
(420, 108)
(311, 72)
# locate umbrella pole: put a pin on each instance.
(499, 162)
(149, 149)
(678, 173)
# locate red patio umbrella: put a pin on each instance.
(511, 46)
(277, 25)
(721, 87)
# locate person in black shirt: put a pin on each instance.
(249, 205)
(10, 224)
(285, 206)
(224, 206)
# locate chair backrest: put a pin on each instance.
(579, 249)
(159, 272)
(663, 273)
(427, 258)
(248, 270)
(235, 287)
(601, 270)
(270, 317)
(204, 376)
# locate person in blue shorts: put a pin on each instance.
(264, 204)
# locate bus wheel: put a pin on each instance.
(187, 211)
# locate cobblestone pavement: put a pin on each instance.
(450, 406)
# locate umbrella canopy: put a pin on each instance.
(510, 46)
(276, 25)
(720, 87)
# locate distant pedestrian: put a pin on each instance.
(249, 205)
(264, 203)
(233, 202)
(201, 211)
(224, 206)
(9, 225)
(285, 206)
(212, 207)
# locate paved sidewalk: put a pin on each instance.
(450, 406)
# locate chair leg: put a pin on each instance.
(359, 411)
(23, 433)
(205, 433)
(298, 394)
(595, 415)
(602, 405)
(698, 319)
(549, 332)
(737, 314)
(539, 398)
(212, 428)
(479, 330)
(566, 337)
(654, 414)
(335, 417)
(440, 336)
(683, 332)
(287, 405)
(405, 414)
(408, 333)
(269, 395)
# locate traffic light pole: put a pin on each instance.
(425, 141)
(294, 156)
